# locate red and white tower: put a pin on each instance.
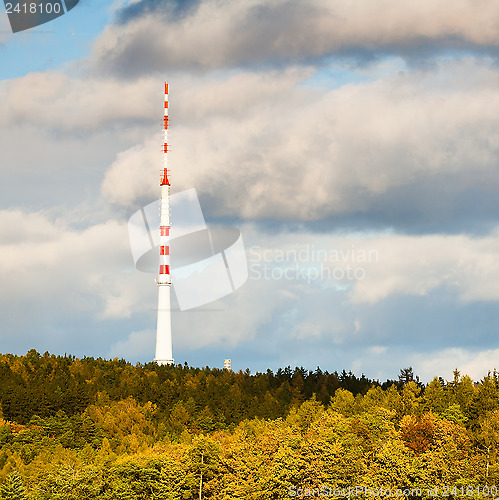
(164, 354)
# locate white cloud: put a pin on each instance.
(442, 363)
(123, 185)
(60, 271)
(376, 350)
(137, 345)
(416, 265)
(70, 275)
(236, 319)
(382, 363)
(300, 153)
(32, 228)
(262, 145)
(256, 145)
(67, 104)
(373, 267)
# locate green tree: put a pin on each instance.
(407, 375)
(411, 398)
(434, 397)
(464, 393)
(454, 414)
(13, 488)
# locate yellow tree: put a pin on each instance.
(343, 402)
(488, 440)
(203, 458)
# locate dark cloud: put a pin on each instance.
(154, 35)
(419, 209)
(173, 9)
(462, 202)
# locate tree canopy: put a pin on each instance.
(95, 429)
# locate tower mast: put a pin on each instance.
(164, 354)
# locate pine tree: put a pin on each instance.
(13, 488)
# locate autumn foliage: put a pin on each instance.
(96, 429)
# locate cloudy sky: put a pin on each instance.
(353, 143)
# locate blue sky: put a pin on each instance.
(318, 124)
(53, 45)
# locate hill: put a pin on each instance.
(92, 428)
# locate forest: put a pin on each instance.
(106, 429)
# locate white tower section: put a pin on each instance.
(164, 354)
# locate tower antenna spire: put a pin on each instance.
(164, 354)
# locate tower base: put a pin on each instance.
(164, 354)
(164, 361)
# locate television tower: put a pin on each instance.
(164, 354)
